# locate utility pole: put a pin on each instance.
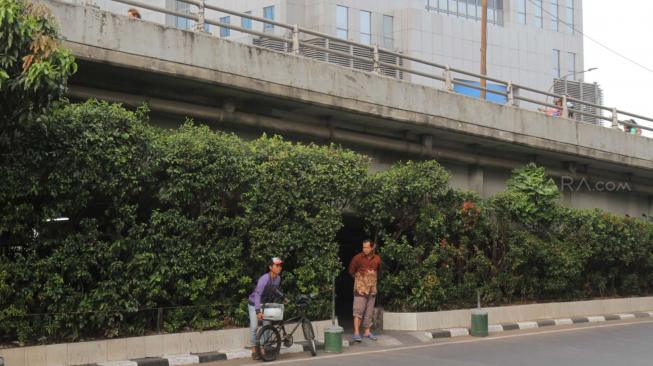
(484, 48)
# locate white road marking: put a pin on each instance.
(495, 328)
(175, 360)
(564, 321)
(595, 319)
(527, 325)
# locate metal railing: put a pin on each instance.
(513, 92)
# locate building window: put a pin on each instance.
(462, 9)
(570, 16)
(490, 11)
(571, 65)
(494, 11)
(246, 22)
(521, 11)
(453, 6)
(556, 63)
(366, 27)
(539, 21)
(554, 15)
(181, 22)
(388, 32)
(442, 5)
(225, 32)
(342, 22)
(472, 10)
(268, 13)
(469, 9)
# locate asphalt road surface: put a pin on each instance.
(622, 344)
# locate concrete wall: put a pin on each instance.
(505, 314)
(136, 347)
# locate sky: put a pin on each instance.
(625, 26)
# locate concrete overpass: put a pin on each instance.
(249, 90)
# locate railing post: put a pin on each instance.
(159, 319)
(565, 109)
(199, 27)
(615, 118)
(511, 93)
(376, 59)
(295, 39)
(448, 83)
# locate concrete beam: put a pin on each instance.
(328, 133)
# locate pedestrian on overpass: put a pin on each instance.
(364, 268)
(133, 13)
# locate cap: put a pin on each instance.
(276, 260)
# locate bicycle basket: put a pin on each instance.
(272, 312)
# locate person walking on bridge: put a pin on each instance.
(364, 268)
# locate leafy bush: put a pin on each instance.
(163, 219)
(432, 238)
(33, 68)
(439, 245)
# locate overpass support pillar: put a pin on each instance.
(476, 179)
(427, 143)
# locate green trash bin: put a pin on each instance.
(333, 339)
(479, 323)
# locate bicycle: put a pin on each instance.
(270, 336)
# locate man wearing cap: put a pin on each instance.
(267, 290)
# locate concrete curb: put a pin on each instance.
(195, 358)
(495, 328)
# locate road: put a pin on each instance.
(626, 343)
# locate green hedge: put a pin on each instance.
(162, 219)
(441, 245)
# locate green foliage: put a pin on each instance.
(93, 168)
(617, 253)
(430, 235)
(160, 219)
(33, 69)
(439, 246)
(293, 209)
(531, 198)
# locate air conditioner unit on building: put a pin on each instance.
(586, 92)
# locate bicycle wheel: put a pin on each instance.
(309, 335)
(268, 343)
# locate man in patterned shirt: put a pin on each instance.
(364, 268)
